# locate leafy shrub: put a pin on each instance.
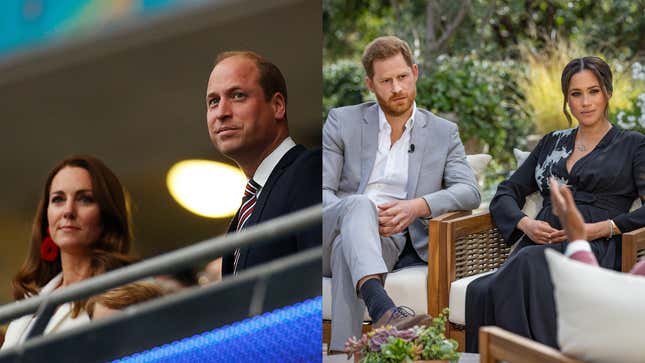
(343, 85)
(632, 117)
(488, 106)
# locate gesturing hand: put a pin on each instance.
(394, 217)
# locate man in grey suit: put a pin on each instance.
(387, 168)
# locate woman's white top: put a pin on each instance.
(61, 320)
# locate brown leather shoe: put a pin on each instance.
(402, 317)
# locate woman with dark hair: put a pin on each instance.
(81, 229)
(604, 168)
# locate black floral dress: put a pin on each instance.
(519, 296)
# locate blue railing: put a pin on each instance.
(290, 334)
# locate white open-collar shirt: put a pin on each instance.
(269, 163)
(389, 177)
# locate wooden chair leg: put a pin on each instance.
(485, 355)
(326, 333)
(457, 333)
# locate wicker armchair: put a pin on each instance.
(470, 245)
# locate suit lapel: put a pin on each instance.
(369, 144)
(233, 222)
(265, 192)
(420, 138)
(286, 160)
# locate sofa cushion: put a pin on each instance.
(479, 162)
(533, 202)
(407, 286)
(457, 300)
(600, 312)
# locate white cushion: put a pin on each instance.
(479, 162)
(637, 204)
(520, 156)
(457, 300)
(407, 286)
(601, 313)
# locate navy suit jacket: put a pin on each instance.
(295, 183)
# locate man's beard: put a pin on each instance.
(393, 108)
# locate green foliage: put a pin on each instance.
(492, 28)
(612, 27)
(633, 118)
(343, 85)
(632, 115)
(349, 25)
(396, 351)
(434, 342)
(489, 107)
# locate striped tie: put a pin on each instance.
(248, 202)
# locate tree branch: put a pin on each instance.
(431, 35)
(465, 7)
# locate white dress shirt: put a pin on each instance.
(389, 178)
(267, 165)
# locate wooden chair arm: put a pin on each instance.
(436, 258)
(452, 215)
(497, 344)
(633, 248)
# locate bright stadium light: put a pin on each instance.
(207, 188)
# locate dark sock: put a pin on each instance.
(376, 299)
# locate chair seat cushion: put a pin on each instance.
(457, 303)
(407, 286)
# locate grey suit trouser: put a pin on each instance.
(353, 249)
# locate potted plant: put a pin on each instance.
(417, 344)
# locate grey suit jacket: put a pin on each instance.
(437, 169)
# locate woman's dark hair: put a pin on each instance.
(598, 67)
(107, 253)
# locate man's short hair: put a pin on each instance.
(124, 296)
(271, 79)
(383, 48)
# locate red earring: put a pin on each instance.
(48, 249)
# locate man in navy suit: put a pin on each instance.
(246, 103)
